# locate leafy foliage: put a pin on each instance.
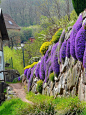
(56, 36)
(51, 76)
(39, 86)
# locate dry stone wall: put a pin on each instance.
(67, 60)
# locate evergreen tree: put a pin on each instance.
(79, 5)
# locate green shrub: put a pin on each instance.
(56, 36)
(44, 47)
(51, 77)
(39, 86)
(79, 5)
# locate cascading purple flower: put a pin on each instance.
(55, 65)
(53, 51)
(48, 64)
(80, 43)
(68, 48)
(73, 34)
(37, 70)
(84, 57)
(63, 51)
(28, 73)
(25, 72)
(61, 40)
(45, 59)
(42, 72)
(31, 78)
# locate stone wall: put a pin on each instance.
(71, 81)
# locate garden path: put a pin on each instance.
(20, 93)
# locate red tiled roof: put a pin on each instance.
(10, 23)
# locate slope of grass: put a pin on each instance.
(16, 57)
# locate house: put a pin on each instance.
(32, 39)
(10, 23)
(11, 28)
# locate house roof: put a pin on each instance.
(10, 23)
(3, 27)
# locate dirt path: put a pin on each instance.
(18, 88)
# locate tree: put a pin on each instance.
(79, 5)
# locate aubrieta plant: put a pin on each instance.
(68, 48)
(73, 34)
(63, 51)
(80, 44)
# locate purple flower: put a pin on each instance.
(73, 34)
(37, 70)
(30, 79)
(63, 51)
(48, 64)
(55, 65)
(62, 37)
(84, 57)
(19, 79)
(28, 73)
(80, 44)
(42, 72)
(68, 48)
(25, 72)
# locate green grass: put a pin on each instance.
(43, 104)
(12, 107)
(38, 98)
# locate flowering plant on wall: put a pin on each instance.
(73, 34)
(80, 44)
(28, 73)
(31, 66)
(56, 36)
(37, 70)
(68, 48)
(63, 51)
(44, 47)
(41, 70)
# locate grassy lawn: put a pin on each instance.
(43, 105)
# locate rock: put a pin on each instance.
(73, 77)
(10, 75)
(81, 90)
(48, 91)
(51, 85)
(84, 76)
(44, 85)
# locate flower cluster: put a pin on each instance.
(73, 34)
(84, 58)
(31, 66)
(44, 47)
(19, 78)
(42, 72)
(28, 73)
(30, 79)
(25, 72)
(55, 65)
(63, 51)
(68, 48)
(62, 37)
(37, 70)
(80, 44)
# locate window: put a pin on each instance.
(10, 22)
